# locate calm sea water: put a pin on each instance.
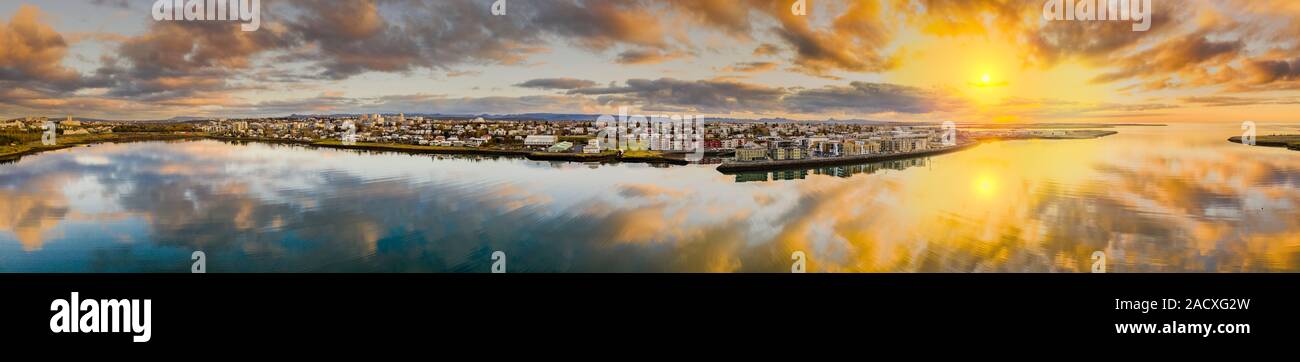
(1154, 199)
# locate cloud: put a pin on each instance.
(212, 67)
(646, 56)
(600, 24)
(731, 18)
(1229, 101)
(766, 49)
(1179, 55)
(31, 53)
(869, 98)
(557, 83)
(854, 43)
(713, 96)
(1268, 71)
(750, 67)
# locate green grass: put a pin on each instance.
(34, 144)
(642, 154)
(415, 148)
(577, 140)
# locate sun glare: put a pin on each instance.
(986, 185)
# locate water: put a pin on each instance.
(1154, 199)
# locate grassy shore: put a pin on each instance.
(30, 143)
(574, 157)
(651, 157)
(419, 149)
(1291, 142)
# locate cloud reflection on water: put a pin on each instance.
(1177, 199)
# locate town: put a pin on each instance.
(750, 141)
(752, 144)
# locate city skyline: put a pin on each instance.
(987, 61)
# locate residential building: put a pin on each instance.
(593, 146)
(750, 154)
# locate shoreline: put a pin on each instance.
(735, 167)
(79, 140)
(1073, 135)
(648, 157)
(1290, 142)
(782, 165)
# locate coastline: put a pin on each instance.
(82, 140)
(412, 149)
(1071, 135)
(649, 157)
(734, 167)
(1290, 142)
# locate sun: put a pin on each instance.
(986, 79)
(986, 185)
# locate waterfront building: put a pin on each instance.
(750, 154)
(593, 146)
(540, 140)
(789, 153)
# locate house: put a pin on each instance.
(593, 146)
(750, 154)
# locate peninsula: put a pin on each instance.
(1291, 142)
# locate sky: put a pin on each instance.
(892, 60)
